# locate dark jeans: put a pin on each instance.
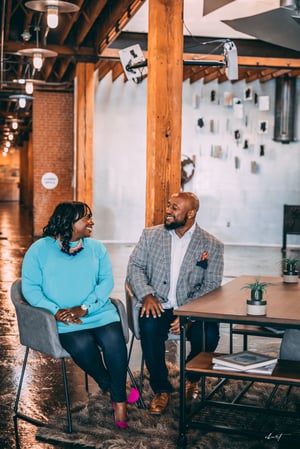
(154, 333)
(109, 371)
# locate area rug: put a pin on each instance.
(93, 426)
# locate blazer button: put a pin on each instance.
(165, 282)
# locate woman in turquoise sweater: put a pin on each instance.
(70, 274)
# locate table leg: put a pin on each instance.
(181, 442)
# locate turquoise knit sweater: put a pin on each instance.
(54, 280)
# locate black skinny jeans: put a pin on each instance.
(154, 333)
(109, 368)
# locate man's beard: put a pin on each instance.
(176, 224)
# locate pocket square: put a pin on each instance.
(203, 262)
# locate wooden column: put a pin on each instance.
(84, 132)
(164, 105)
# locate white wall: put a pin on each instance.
(238, 206)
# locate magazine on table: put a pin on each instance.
(244, 360)
(268, 370)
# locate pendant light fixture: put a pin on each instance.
(52, 8)
(22, 99)
(38, 54)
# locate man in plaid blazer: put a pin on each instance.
(171, 265)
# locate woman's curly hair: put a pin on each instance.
(61, 221)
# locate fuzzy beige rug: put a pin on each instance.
(94, 428)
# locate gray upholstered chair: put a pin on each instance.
(133, 311)
(38, 331)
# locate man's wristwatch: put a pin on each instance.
(84, 307)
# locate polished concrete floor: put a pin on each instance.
(43, 392)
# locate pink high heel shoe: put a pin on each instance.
(120, 424)
(133, 397)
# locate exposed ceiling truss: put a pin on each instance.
(94, 34)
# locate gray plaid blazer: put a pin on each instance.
(148, 269)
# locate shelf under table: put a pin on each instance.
(286, 372)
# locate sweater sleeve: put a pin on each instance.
(32, 280)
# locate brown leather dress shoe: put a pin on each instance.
(191, 390)
(159, 403)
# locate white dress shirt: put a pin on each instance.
(178, 250)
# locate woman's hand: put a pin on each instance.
(70, 315)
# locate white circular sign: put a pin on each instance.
(49, 180)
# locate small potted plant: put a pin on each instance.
(256, 305)
(290, 272)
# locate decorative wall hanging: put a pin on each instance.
(228, 98)
(187, 169)
(264, 103)
(248, 93)
(238, 108)
(263, 127)
(253, 167)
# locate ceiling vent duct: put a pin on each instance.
(285, 96)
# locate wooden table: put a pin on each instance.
(227, 304)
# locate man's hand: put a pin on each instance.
(175, 327)
(70, 315)
(151, 305)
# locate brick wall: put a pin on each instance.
(52, 151)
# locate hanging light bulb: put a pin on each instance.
(22, 102)
(29, 87)
(37, 60)
(52, 16)
(10, 136)
(7, 144)
(14, 124)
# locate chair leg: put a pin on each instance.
(141, 379)
(141, 403)
(245, 342)
(33, 420)
(230, 339)
(16, 406)
(67, 397)
(86, 383)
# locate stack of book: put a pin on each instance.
(246, 361)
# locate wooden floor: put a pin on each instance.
(43, 392)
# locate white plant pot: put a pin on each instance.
(291, 278)
(256, 309)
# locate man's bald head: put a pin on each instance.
(181, 211)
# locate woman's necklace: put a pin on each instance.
(73, 250)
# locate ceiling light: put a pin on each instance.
(22, 102)
(38, 55)
(29, 87)
(22, 99)
(52, 8)
(37, 60)
(14, 124)
(52, 16)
